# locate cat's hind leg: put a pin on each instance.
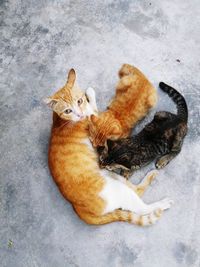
(144, 184)
(176, 148)
(140, 188)
(125, 70)
(163, 115)
(126, 82)
(118, 195)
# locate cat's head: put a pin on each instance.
(70, 102)
(103, 127)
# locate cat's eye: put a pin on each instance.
(80, 101)
(67, 111)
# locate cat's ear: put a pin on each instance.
(100, 149)
(94, 118)
(50, 102)
(71, 79)
(116, 130)
(110, 144)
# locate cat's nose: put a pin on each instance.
(81, 116)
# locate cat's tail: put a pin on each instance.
(182, 110)
(124, 216)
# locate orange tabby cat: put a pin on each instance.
(98, 196)
(135, 95)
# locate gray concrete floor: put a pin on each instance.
(39, 41)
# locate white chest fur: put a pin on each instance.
(87, 142)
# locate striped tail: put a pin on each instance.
(124, 216)
(182, 110)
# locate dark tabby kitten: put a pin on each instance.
(161, 139)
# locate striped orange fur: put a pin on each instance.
(135, 95)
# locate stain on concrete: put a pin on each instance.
(147, 23)
(122, 255)
(185, 254)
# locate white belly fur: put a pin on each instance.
(87, 142)
(118, 195)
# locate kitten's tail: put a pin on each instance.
(124, 216)
(178, 99)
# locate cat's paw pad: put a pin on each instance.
(90, 93)
(166, 203)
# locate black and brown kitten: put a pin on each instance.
(161, 139)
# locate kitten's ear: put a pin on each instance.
(110, 144)
(100, 149)
(71, 78)
(93, 118)
(115, 130)
(50, 102)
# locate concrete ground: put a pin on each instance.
(39, 41)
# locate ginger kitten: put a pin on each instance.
(98, 196)
(135, 96)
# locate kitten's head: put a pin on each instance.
(70, 102)
(103, 127)
(113, 156)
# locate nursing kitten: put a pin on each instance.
(135, 96)
(98, 196)
(161, 139)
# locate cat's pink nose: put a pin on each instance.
(81, 116)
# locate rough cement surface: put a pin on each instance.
(39, 41)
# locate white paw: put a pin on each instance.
(90, 93)
(166, 203)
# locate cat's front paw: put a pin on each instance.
(125, 173)
(90, 93)
(91, 98)
(161, 163)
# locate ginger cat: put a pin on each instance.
(135, 95)
(98, 196)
